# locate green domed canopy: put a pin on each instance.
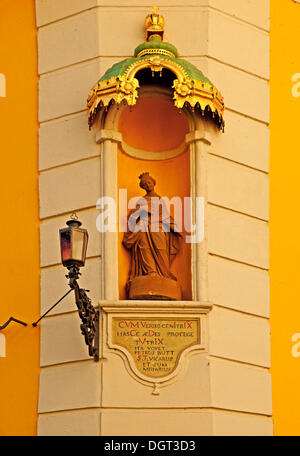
(160, 60)
(155, 45)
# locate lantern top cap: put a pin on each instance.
(74, 222)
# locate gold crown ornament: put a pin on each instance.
(154, 23)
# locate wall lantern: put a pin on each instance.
(73, 246)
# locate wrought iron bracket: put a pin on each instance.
(12, 319)
(87, 313)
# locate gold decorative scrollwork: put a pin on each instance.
(156, 51)
(190, 87)
(183, 88)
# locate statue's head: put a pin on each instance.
(147, 182)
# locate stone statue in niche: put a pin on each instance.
(154, 243)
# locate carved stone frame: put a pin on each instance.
(156, 309)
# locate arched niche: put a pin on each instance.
(153, 133)
(125, 155)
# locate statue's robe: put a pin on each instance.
(154, 242)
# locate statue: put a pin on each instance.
(154, 243)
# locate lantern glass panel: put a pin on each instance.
(86, 237)
(77, 245)
(65, 242)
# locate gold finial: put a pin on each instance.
(154, 24)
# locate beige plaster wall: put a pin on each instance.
(226, 391)
(2, 345)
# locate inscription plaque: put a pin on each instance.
(156, 343)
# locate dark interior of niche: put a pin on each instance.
(147, 77)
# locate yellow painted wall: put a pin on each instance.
(285, 215)
(19, 265)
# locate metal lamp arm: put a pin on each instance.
(12, 319)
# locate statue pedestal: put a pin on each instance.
(154, 288)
